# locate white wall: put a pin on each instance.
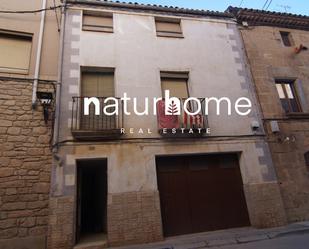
(138, 55)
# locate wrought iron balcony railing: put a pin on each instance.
(102, 126)
(95, 126)
(184, 123)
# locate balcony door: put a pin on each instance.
(177, 84)
(100, 85)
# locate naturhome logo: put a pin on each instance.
(172, 105)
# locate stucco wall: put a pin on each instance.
(30, 23)
(132, 165)
(211, 51)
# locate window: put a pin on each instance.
(98, 22)
(168, 27)
(98, 84)
(15, 51)
(176, 83)
(286, 38)
(288, 96)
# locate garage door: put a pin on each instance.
(200, 193)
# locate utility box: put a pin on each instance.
(274, 126)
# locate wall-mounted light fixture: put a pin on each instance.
(45, 99)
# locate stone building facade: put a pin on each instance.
(276, 45)
(142, 50)
(125, 179)
(25, 148)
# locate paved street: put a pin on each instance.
(299, 241)
(292, 236)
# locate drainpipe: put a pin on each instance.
(59, 81)
(38, 55)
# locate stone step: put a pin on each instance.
(92, 241)
(92, 245)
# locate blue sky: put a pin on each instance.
(292, 6)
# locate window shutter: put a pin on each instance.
(98, 84)
(89, 85)
(106, 85)
(178, 87)
(288, 96)
(168, 27)
(15, 53)
(98, 23)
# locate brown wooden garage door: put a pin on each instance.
(200, 193)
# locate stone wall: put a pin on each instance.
(134, 218)
(270, 59)
(288, 150)
(25, 164)
(61, 223)
(265, 205)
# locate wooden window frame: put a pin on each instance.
(169, 34)
(98, 28)
(291, 83)
(286, 38)
(18, 36)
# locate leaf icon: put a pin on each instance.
(172, 108)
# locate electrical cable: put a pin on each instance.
(58, 25)
(8, 78)
(160, 139)
(268, 4)
(264, 4)
(28, 11)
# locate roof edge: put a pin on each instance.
(255, 17)
(232, 9)
(155, 8)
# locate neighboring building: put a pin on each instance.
(276, 45)
(135, 188)
(25, 153)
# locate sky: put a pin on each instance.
(292, 6)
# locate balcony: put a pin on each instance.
(95, 127)
(183, 124)
(102, 126)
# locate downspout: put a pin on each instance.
(38, 55)
(59, 81)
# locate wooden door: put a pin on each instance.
(175, 208)
(201, 193)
